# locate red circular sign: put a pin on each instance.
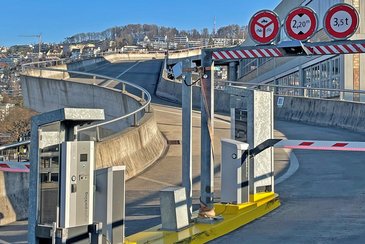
(341, 21)
(301, 23)
(264, 26)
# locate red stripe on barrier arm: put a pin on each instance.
(27, 165)
(348, 49)
(4, 166)
(340, 145)
(306, 143)
(326, 148)
(278, 52)
(237, 54)
(320, 50)
(261, 53)
(338, 48)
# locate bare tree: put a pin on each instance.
(17, 123)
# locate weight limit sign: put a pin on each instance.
(341, 21)
(301, 23)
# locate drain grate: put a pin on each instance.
(173, 142)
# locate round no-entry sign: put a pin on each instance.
(264, 26)
(301, 23)
(341, 21)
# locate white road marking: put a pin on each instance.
(155, 181)
(125, 71)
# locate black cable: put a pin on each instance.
(193, 83)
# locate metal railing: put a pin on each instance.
(302, 91)
(110, 127)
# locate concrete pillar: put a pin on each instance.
(232, 71)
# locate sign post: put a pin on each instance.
(264, 27)
(341, 21)
(301, 23)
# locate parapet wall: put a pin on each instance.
(13, 197)
(86, 65)
(44, 94)
(322, 112)
(136, 148)
(133, 56)
(172, 90)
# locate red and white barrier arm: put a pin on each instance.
(16, 167)
(353, 146)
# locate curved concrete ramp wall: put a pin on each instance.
(43, 95)
(133, 56)
(13, 197)
(172, 90)
(135, 148)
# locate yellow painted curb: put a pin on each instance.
(234, 216)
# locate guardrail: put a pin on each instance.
(302, 91)
(145, 100)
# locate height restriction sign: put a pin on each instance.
(301, 23)
(264, 27)
(341, 21)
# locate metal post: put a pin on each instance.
(135, 119)
(123, 87)
(207, 133)
(97, 133)
(233, 123)
(187, 134)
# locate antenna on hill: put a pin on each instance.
(214, 26)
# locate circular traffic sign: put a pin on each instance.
(264, 26)
(301, 23)
(341, 21)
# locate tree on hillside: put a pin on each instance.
(17, 123)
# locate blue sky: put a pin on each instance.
(57, 19)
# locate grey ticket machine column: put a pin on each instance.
(61, 177)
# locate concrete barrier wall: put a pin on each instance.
(341, 114)
(136, 148)
(321, 112)
(133, 56)
(172, 90)
(43, 95)
(86, 65)
(14, 189)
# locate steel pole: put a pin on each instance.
(187, 134)
(207, 134)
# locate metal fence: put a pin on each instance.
(301, 91)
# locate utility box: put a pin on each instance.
(77, 180)
(235, 176)
(174, 209)
(110, 202)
